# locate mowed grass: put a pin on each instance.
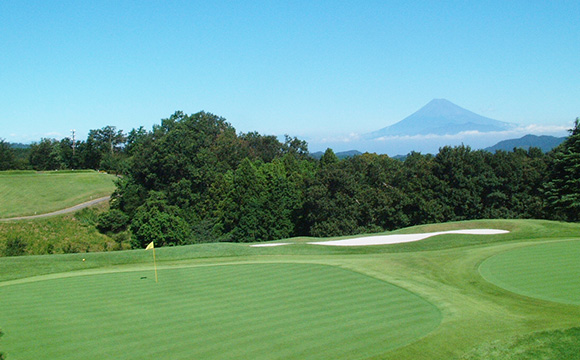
(547, 271)
(30, 193)
(242, 311)
(200, 283)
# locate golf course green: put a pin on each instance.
(254, 311)
(547, 271)
(450, 296)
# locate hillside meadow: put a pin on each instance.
(447, 297)
(29, 192)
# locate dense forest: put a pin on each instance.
(194, 179)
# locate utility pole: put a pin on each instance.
(73, 141)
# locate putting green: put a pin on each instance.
(244, 311)
(547, 271)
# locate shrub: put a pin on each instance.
(14, 246)
(113, 221)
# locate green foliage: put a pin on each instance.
(61, 234)
(562, 190)
(113, 221)
(159, 222)
(257, 202)
(45, 155)
(254, 188)
(14, 246)
(88, 216)
(7, 156)
(213, 182)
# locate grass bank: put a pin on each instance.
(29, 192)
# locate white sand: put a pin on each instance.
(403, 238)
(268, 244)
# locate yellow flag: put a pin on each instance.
(152, 246)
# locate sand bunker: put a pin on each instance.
(403, 238)
(268, 245)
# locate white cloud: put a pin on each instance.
(344, 138)
(394, 145)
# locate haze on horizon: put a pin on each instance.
(326, 72)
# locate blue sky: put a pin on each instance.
(313, 69)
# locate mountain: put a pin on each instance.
(341, 155)
(441, 117)
(544, 142)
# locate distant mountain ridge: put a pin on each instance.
(544, 142)
(441, 117)
(341, 155)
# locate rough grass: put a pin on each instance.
(441, 270)
(30, 193)
(545, 345)
(70, 233)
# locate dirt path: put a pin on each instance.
(60, 212)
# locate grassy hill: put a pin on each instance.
(449, 296)
(29, 193)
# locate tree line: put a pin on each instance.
(103, 149)
(194, 179)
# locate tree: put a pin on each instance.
(295, 146)
(108, 139)
(46, 155)
(266, 148)
(7, 156)
(157, 221)
(113, 221)
(331, 201)
(256, 202)
(135, 140)
(463, 176)
(562, 190)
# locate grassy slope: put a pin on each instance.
(443, 270)
(70, 233)
(29, 193)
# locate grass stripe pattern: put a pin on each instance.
(243, 311)
(546, 271)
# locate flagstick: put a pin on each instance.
(154, 263)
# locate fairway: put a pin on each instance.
(30, 193)
(547, 271)
(242, 311)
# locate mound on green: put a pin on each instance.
(547, 271)
(30, 193)
(249, 311)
